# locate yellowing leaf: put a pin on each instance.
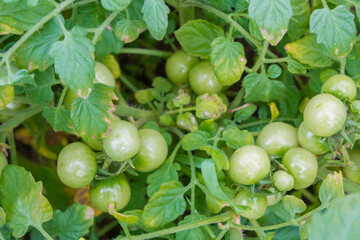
(112, 64)
(274, 111)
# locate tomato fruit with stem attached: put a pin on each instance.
(114, 190)
(324, 115)
(302, 165)
(315, 144)
(258, 205)
(153, 151)
(178, 66)
(352, 171)
(76, 166)
(277, 138)
(341, 86)
(202, 79)
(283, 181)
(123, 141)
(3, 161)
(248, 165)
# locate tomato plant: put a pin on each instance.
(179, 119)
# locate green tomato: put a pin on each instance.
(283, 181)
(277, 138)
(257, 205)
(302, 165)
(248, 165)
(202, 79)
(153, 151)
(316, 145)
(123, 141)
(3, 161)
(341, 86)
(112, 190)
(76, 166)
(13, 106)
(178, 66)
(273, 199)
(352, 171)
(324, 115)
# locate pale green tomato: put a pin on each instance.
(283, 181)
(324, 115)
(3, 162)
(272, 199)
(277, 138)
(341, 86)
(178, 66)
(202, 79)
(103, 75)
(153, 151)
(352, 171)
(123, 141)
(76, 166)
(248, 165)
(316, 145)
(302, 165)
(258, 205)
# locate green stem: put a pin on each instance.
(57, 16)
(325, 4)
(126, 230)
(309, 196)
(107, 228)
(143, 51)
(102, 27)
(251, 124)
(128, 83)
(276, 60)
(342, 65)
(63, 94)
(123, 110)
(259, 233)
(20, 117)
(180, 110)
(44, 233)
(261, 58)
(35, 28)
(13, 153)
(222, 234)
(193, 179)
(211, 220)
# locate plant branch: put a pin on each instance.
(144, 51)
(102, 27)
(124, 110)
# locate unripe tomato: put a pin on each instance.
(258, 205)
(352, 171)
(316, 145)
(114, 190)
(341, 86)
(13, 106)
(249, 164)
(178, 66)
(3, 161)
(283, 181)
(153, 151)
(202, 79)
(76, 166)
(302, 165)
(324, 115)
(123, 141)
(273, 199)
(277, 138)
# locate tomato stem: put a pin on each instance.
(143, 51)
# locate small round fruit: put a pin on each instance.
(341, 86)
(123, 141)
(302, 165)
(248, 165)
(352, 171)
(316, 145)
(324, 115)
(114, 190)
(103, 75)
(257, 205)
(283, 181)
(153, 151)
(3, 161)
(202, 79)
(178, 66)
(277, 138)
(273, 199)
(76, 166)
(13, 106)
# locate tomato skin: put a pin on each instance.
(272, 199)
(341, 86)
(3, 162)
(316, 145)
(202, 79)
(352, 171)
(248, 165)
(153, 151)
(110, 190)
(76, 166)
(324, 115)
(258, 205)
(178, 66)
(302, 165)
(123, 141)
(277, 138)
(13, 106)
(283, 181)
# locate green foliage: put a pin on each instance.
(156, 17)
(293, 205)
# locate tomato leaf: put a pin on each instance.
(2, 217)
(156, 17)
(128, 31)
(218, 156)
(59, 119)
(41, 93)
(196, 37)
(299, 21)
(335, 29)
(293, 205)
(331, 188)
(272, 17)
(165, 205)
(22, 200)
(209, 106)
(289, 104)
(236, 138)
(195, 140)
(198, 233)
(71, 224)
(113, 5)
(245, 113)
(6, 96)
